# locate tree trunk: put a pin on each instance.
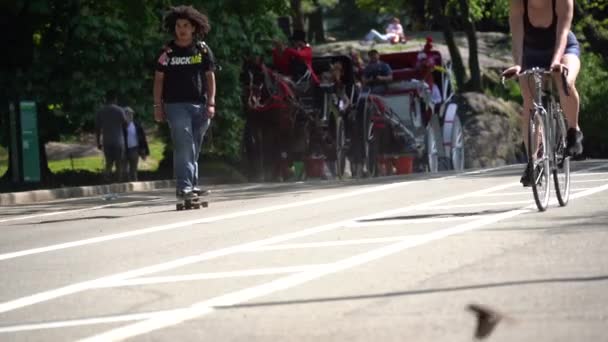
(297, 14)
(469, 27)
(316, 32)
(417, 17)
(448, 33)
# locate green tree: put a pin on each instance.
(66, 54)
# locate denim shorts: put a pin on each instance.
(542, 58)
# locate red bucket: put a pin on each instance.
(314, 167)
(404, 164)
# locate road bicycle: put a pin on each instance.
(547, 150)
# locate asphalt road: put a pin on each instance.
(391, 259)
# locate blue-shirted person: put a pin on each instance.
(377, 73)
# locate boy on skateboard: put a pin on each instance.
(184, 93)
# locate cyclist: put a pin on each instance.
(542, 38)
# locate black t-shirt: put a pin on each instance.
(184, 69)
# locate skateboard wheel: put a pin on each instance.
(205, 204)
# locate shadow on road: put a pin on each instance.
(440, 215)
(422, 291)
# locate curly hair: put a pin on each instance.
(196, 18)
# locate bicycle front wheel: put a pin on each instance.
(538, 160)
(561, 172)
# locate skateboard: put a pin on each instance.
(191, 203)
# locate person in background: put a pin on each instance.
(110, 121)
(394, 34)
(294, 61)
(377, 73)
(425, 64)
(136, 143)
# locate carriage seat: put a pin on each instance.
(404, 64)
(405, 74)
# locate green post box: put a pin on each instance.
(29, 141)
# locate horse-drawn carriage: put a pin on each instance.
(413, 117)
(297, 129)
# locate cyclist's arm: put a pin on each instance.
(516, 23)
(565, 12)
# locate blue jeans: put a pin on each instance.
(188, 123)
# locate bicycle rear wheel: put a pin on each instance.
(538, 160)
(561, 172)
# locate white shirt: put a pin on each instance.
(131, 135)
(394, 28)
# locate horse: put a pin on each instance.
(271, 108)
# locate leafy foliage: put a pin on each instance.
(592, 87)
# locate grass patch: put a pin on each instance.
(95, 164)
(92, 164)
(156, 154)
(3, 160)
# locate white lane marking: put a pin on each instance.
(527, 193)
(213, 190)
(494, 169)
(55, 213)
(182, 224)
(206, 306)
(212, 275)
(82, 286)
(406, 221)
(149, 230)
(335, 243)
(590, 174)
(480, 205)
(91, 284)
(589, 180)
(83, 322)
(500, 194)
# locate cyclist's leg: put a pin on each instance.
(570, 104)
(527, 95)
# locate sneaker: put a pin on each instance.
(574, 142)
(185, 194)
(200, 192)
(525, 178)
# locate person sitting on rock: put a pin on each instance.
(394, 34)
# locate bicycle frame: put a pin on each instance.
(545, 104)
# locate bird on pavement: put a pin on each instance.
(487, 319)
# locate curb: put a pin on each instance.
(28, 197)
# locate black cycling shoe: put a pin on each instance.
(525, 178)
(574, 142)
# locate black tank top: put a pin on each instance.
(540, 38)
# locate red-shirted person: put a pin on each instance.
(426, 65)
(279, 58)
(295, 61)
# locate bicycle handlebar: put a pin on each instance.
(544, 72)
